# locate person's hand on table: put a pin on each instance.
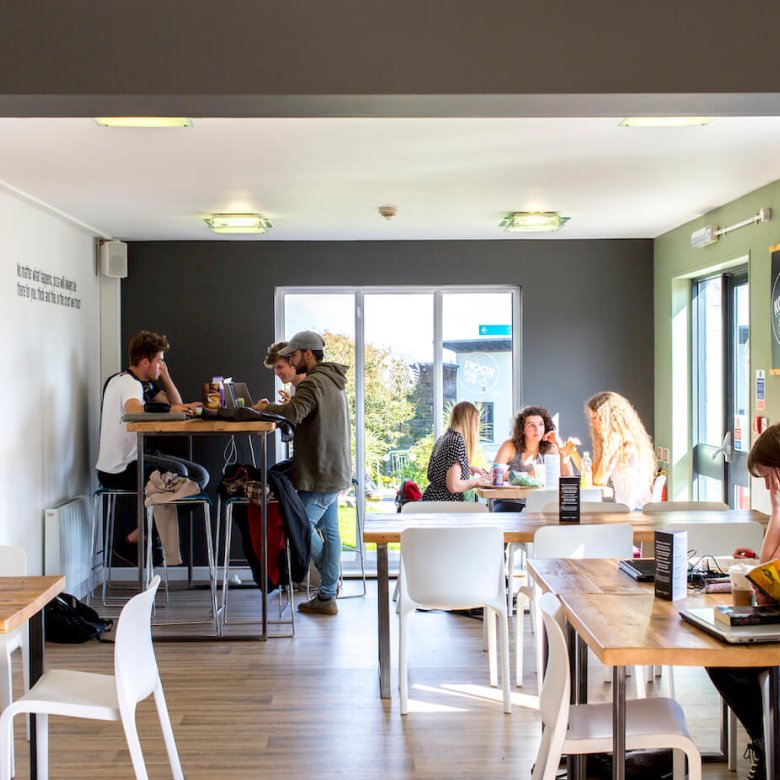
(261, 404)
(477, 470)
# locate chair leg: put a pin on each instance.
(403, 682)
(519, 639)
(489, 618)
(167, 730)
(226, 560)
(42, 753)
(6, 745)
(6, 697)
(133, 743)
(212, 565)
(510, 577)
(503, 635)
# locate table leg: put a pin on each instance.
(383, 606)
(264, 531)
(618, 722)
(141, 514)
(35, 650)
(578, 652)
(771, 687)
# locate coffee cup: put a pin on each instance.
(741, 589)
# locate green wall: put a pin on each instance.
(676, 262)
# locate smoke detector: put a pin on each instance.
(388, 212)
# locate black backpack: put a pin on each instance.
(69, 622)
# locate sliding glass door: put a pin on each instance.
(413, 353)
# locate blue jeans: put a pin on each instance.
(322, 509)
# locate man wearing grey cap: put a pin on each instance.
(321, 464)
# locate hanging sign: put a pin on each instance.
(760, 390)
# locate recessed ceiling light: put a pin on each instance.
(143, 121)
(667, 121)
(533, 222)
(238, 223)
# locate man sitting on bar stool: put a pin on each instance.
(147, 380)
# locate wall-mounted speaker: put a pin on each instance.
(113, 259)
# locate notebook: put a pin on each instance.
(235, 391)
(641, 569)
(704, 619)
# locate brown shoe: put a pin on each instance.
(317, 606)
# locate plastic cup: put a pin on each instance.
(741, 589)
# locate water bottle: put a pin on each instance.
(552, 471)
(586, 471)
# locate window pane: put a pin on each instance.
(477, 362)
(710, 362)
(741, 338)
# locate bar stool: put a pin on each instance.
(103, 515)
(205, 502)
(243, 501)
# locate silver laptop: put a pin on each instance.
(735, 635)
(235, 391)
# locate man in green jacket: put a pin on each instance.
(321, 464)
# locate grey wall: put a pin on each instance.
(587, 310)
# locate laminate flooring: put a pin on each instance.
(309, 707)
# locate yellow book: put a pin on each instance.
(766, 578)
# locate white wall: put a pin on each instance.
(50, 396)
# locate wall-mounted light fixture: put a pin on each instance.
(143, 121)
(533, 222)
(666, 121)
(238, 223)
(710, 234)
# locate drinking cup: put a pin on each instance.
(741, 589)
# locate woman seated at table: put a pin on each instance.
(741, 688)
(622, 451)
(449, 471)
(533, 437)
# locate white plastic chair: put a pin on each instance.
(592, 508)
(654, 507)
(658, 488)
(457, 567)
(13, 563)
(568, 541)
(101, 696)
(587, 728)
(447, 507)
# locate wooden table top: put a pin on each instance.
(196, 426)
(512, 492)
(585, 575)
(643, 630)
(518, 527)
(23, 597)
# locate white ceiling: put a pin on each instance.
(323, 179)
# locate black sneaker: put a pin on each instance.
(755, 752)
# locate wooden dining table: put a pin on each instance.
(23, 599)
(383, 529)
(520, 493)
(624, 625)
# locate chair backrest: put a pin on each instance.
(658, 488)
(537, 500)
(135, 666)
(13, 561)
(442, 507)
(653, 507)
(608, 540)
(592, 508)
(452, 567)
(554, 698)
(720, 538)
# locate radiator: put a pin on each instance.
(67, 542)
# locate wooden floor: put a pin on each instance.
(309, 707)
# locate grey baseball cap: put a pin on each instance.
(306, 339)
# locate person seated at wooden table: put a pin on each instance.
(533, 437)
(622, 451)
(450, 474)
(741, 688)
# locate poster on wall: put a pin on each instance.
(775, 304)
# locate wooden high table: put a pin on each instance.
(200, 427)
(383, 529)
(518, 493)
(625, 625)
(21, 599)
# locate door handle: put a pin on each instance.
(725, 448)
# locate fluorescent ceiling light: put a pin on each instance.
(533, 222)
(238, 223)
(667, 121)
(143, 121)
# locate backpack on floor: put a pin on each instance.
(69, 622)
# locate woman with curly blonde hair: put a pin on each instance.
(622, 450)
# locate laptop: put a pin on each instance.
(735, 635)
(641, 569)
(237, 395)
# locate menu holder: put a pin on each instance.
(569, 499)
(671, 565)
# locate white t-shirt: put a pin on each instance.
(118, 447)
